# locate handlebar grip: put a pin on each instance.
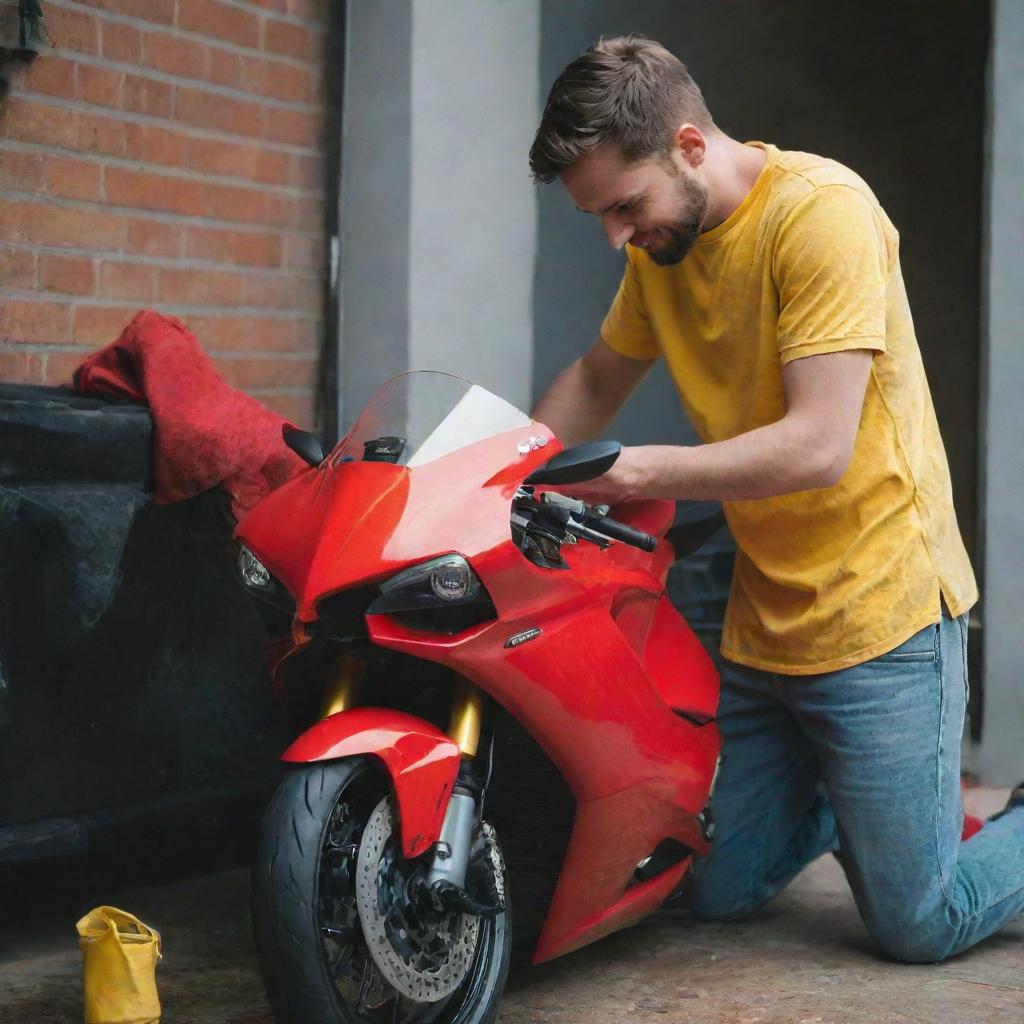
(622, 532)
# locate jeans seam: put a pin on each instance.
(940, 733)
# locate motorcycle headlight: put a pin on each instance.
(253, 572)
(442, 581)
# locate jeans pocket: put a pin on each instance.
(922, 646)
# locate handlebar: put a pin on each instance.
(593, 519)
(622, 532)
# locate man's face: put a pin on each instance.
(658, 204)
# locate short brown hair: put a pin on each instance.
(626, 90)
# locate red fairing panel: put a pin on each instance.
(680, 667)
(422, 761)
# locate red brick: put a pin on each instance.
(100, 135)
(303, 252)
(295, 127)
(262, 372)
(32, 121)
(60, 367)
(144, 96)
(101, 86)
(124, 279)
(156, 145)
(70, 30)
(280, 210)
(298, 409)
(154, 191)
(52, 76)
(308, 171)
(299, 293)
(212, 110)
(71, 274)
(74, 179)
(175, 56)
(161, 11)
(56, 226)
(21, 170)
(286, 38)
(272, 78)
(21, 368)
(23, 320)
(17, 269)
(233, 333)
(153, 238)
(225, 202)
(237, 160)
(200, 287)
(97, 325)
(225, 68)
(212, 18)
(121, 43)
(246, 248)
(181, 286)
(225, 288)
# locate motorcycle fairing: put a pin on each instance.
(422, 762)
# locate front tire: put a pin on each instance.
(309, 939)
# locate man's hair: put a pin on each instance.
(625, 90)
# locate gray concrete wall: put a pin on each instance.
(1000, 756)
(438, 218)
(473, 234)
(375, 201)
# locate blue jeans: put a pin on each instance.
(866, 760)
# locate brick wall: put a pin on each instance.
(168, 154)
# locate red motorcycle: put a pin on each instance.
(500, 707)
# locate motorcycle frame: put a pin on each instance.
(614, 687)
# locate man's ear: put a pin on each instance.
(690, 144)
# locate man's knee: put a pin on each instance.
(711, 902)
(908, 939)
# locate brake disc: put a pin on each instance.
(424, 955)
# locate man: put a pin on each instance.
(770, 283)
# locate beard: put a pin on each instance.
(693, 199)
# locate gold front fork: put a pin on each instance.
(467, 713)
(342, 687)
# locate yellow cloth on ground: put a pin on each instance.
(808, 264)
(119, 967)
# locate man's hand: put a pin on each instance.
(809, 448)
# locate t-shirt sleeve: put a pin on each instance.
(626, 327)
(830, 268)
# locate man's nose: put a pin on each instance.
(616, 231)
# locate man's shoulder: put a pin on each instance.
(799, 175)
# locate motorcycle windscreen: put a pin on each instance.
(424, 415)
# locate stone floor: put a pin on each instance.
(803, 960)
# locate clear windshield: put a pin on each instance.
(420, 416)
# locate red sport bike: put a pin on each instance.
(500, 708)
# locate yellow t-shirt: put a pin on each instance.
(809, 263)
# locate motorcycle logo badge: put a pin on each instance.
(522, 638)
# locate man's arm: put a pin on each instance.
(810, 447)
(585, 397)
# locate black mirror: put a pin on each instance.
(574, 465)
(306, 445)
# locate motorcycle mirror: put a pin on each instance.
(574, 465)
(306, 445)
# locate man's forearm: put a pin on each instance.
(780, 458)
(574, 407)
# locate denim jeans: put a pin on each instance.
(866, 760)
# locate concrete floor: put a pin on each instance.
(805, 959)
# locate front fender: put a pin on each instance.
(422, 761)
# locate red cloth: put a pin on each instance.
(205, 433)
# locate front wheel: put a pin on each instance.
(329, 878)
